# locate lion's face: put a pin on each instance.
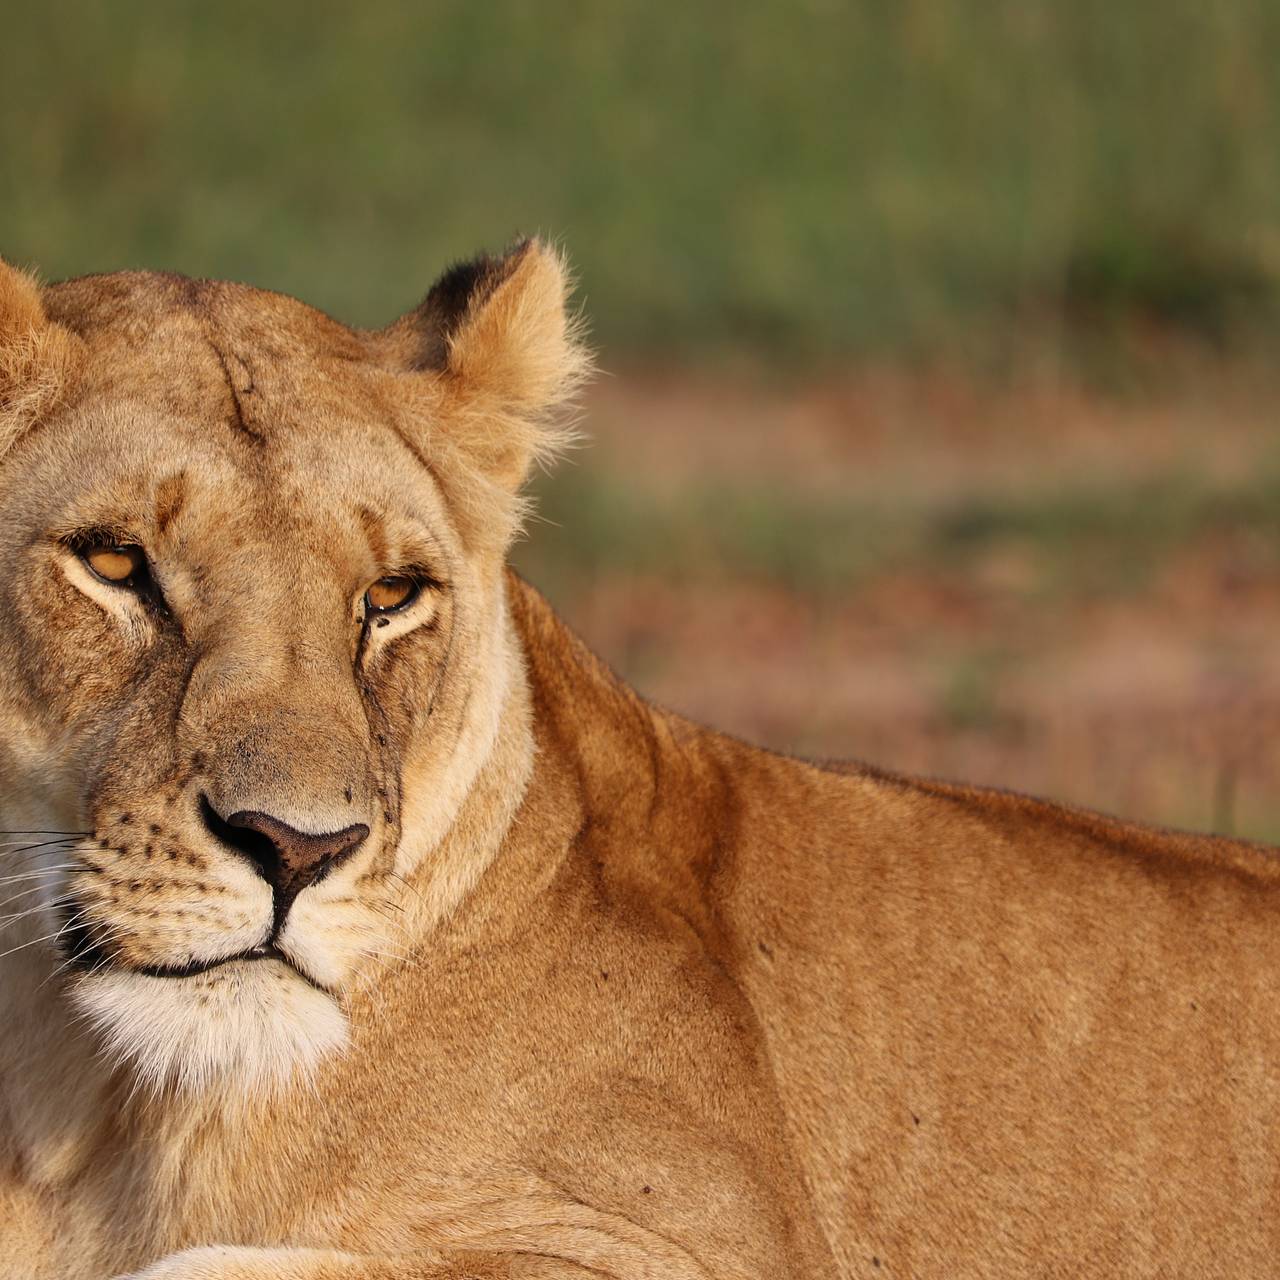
(253, 648)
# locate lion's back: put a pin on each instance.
(1006, 1030)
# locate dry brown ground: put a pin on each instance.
(1158, 699)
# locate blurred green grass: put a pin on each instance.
(801, 182)
(1092, 539)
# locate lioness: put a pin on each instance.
(360, 925)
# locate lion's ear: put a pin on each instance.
(504, 357)
(36, 355)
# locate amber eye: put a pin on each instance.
(388, 594)
(124, 566)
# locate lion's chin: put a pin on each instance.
(247, 1028)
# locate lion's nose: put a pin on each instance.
(288, 859)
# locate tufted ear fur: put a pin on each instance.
(36, 356)
(501, 360)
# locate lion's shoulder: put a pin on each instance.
(717, 790)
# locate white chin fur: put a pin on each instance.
(247, 1028)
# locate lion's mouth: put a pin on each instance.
(194, 967)
(86, 955)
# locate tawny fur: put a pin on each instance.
(603, 992)
(37, 360)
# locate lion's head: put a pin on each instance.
(252, 652)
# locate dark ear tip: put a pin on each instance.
(460, 286)
(457, 286)
(452, 291)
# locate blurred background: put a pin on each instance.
(938, 419)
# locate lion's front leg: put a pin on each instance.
(324, 1264)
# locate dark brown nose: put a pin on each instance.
(288, 859)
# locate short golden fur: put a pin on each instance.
(602, 992)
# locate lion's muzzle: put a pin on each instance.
(289, 860)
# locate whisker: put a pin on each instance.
(25, 893)
(413, 888)
(88, 948)
(35, 840)
(44, 844)
(48, 937)
(402, 957)
(51, 869)
(40, 871)
(14, 916)
(74, 919)
(76, 955)
(19, 847)
(40, 831)
(383, 910)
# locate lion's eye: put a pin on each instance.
(125, 566)
(388, 594)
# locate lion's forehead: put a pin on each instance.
(134, 305)
(225, 402)
(126, 461)
(265, 369)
